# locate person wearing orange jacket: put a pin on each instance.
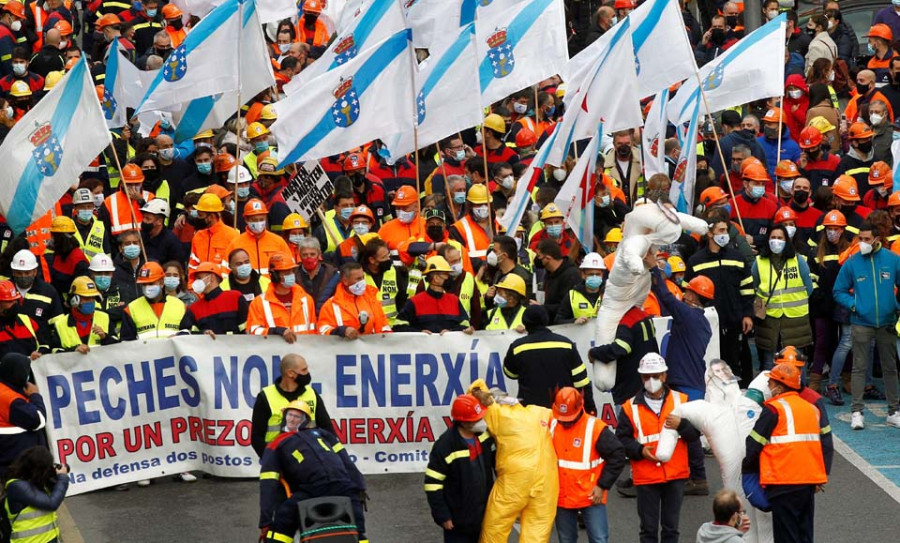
(408, 224)
(355, 308)
(114, 212)
(258, 241)
(285, 309)
(585, 476)
(659, 486)
(362, 220)
(174, 24)
(310, 29)
(212, 237)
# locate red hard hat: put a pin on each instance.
(785, 214)
(8, 292)
(354, 162)
(224, 162)
(624, 4)
(786, 374)
(702, 286)
(810, 137)
(525, 138)
(466, 408)
(569, 403)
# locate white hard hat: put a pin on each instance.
(652, 363)
(82, 196)
(593, 261)
(157, 206)
(243, 175)
(102, 263)
(24, 260)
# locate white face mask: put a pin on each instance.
(520, 108)
(198, 286)
(16, 26)
(833, 236)
(358, 288)
(791, 230)
(491, 258)
(559, 174)
(865, 248)
(771, 14)
(257, 227)
(831, 76)
(456, 269)
(481, 212)
(653, 385)
(777, 246)
(795, 94)
(479, 427)
(98, 200)
(721, 239)
(508, 182)
(876, 119)
(406, 217)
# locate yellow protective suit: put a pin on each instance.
(527, 482)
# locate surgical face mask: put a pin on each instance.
(653, 385)
(456, 269)
(786, 185)
(460, 155)
(830, 25)
(871, 51)
(198, 286)
(284, 48)
(507, 182)
(459, 197)
(131, 251)
(554, 230)
(289, 280)
(171, 283)
(876, 119)
(550, 111)
(518, 244)
(559, 174)
(833, 235)
(257, 227)
(204, 168)
(593, 281)
(345, 213)
(406, 217)
(19, 68)
(771, 14)
(296, 238)
(358, 288)
(103, 282)
(151, 13)
(152, 291)
(777, 245)
(727, 208)
(481, 212)
(831, 76)
(243, 271)
(865, 248)
(520, 108)
(261, 147)
(722, 239)
(63, 45)
(757, 192)
(87, 308)
(500, 301)
(479, 427)
(167, 154)
(84, 215)
(795, 94)
(478, 137)
(10, 112)
(98, 200)
(604, 200)
(243, 192)
(16, 26)
(361, 229)
(791, 230)
(492, 259)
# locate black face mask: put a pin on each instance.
(771, 132)
(177, 24)
(810, 32)
(801, 196)
(702, 171)
(436, 233)
(164, 53)
(146, 227)
(385, 266)
(717, 35)
(732, 21)
(151, 175)
(303, 380)
(310, 19)
(623, 151)
(197, 223)
(358, 180)
(864, 147)
(814, 153)
(862, 89)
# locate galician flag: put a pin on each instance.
(681, 194)
(521, 199)
(653, 137)
(576, 197)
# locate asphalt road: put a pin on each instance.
(225, 511)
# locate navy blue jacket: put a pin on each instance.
(688, 339)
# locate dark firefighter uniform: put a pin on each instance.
(268, 419)
(635, 337)
(222, 312)
(311, 464)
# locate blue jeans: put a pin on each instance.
(595, 521)
(845, 345)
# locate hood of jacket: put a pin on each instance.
(717, 533)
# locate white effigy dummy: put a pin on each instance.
(726, 418)
(649, 224)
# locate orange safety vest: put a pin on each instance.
(393, 232)
(318, 38)
(344, 309)
(259, 248)
(267, 312)
(477, 240)
(580, 465)
(7, 397)
(120, 219)
(793, 455)
(211, 244)
(647, 429)
(177, 36)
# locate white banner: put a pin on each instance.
(129, 412)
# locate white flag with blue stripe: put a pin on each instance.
(684, 179)
(447, 96)
(50, 147)
(195, 68)
(606, 96)
(434, 23)
(752, 69)
(369, 96)
(576, 197)
(653, 137)
(521, 199)
(123, 86)
(256, 75)
(377, 20)
(519, 46)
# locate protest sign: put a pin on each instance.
(307, 189)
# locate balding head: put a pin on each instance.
(154, 62)
(52, 37)
(294, 363)
(866, 77)
(164, 141)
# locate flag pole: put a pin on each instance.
(415, 112)
(237, 120)
(719, 149)
(134, 221)
(447, 193)
(778, 143)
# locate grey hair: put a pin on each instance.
(310, 242)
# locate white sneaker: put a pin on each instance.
(188, 477)
(143, 483)
(856, 421)
(894, 420)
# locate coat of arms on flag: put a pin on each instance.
(47, 152)
(109, 104)
(176, 65)
(345, 109)
(345, 49)
(501, 54)
(714, 78)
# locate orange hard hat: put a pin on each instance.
(525, 138)
(624, 4)
(712, 195)
(466, 408)
(845, 188)
(894, 199)
(405, 196)
(312, 6)
(810, 137)
(132, 173)
(16, 8)
(71, 63)
(702, 286)
(860, 131)
(609, 260)
(107, 20)
(569, 403)
(774, 115)
(755, 172)
(354, 162)
(255, 206)
(836, 218)
(362, 211)
(224, 162)
(879, 172)
(790, 355)
(787, 170)
(882, 31)
(786, 374)
(150, 272)
(8, 292)
(785, 214)
(208, 267)
(64, 28)
(281, 262)
(171, 11)
(749, 161)
(100, 89)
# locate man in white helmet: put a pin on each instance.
(89, 230)
(40, 300)
(110, 302)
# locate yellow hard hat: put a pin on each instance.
(299, 405)
(495, 122)
(512, 282)
(62, 225)
(269, 161)
(203, 135)
(821, 124)
(210, 203)
(294, 221)
(20, 89)
(256, 130)
(550, 211)
(84, 286)
(478, 194)
(268, 113)
(52, 79)
(613, 236)
(677, 264)
(437, 264)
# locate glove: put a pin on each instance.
(363, 498)
(754, 492)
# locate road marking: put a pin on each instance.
(67, 526)
(868, 470)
